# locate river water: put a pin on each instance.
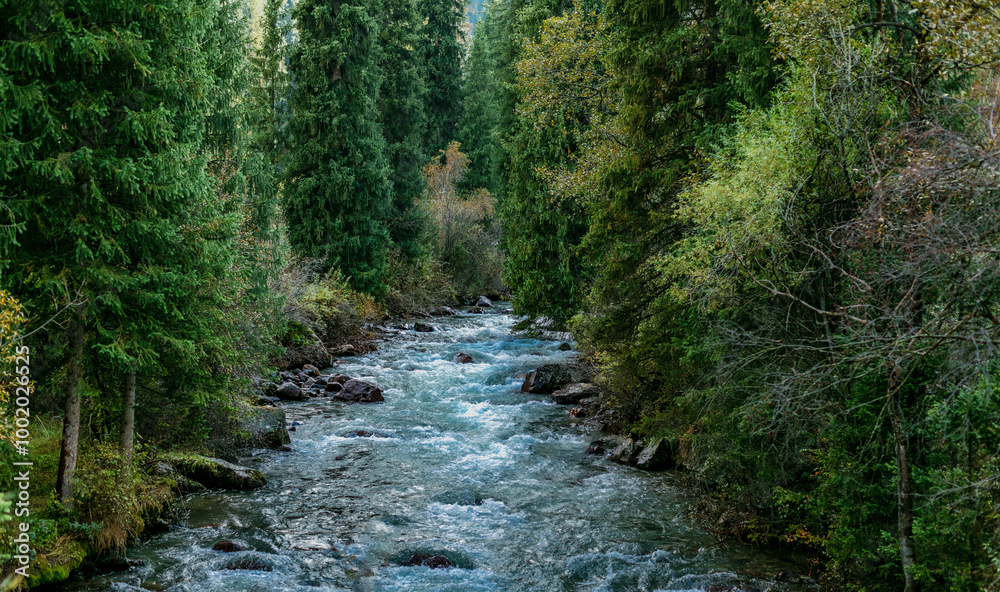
(464, 466)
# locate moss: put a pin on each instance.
(57, 564)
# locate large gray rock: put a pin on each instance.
(462, 358)
(573, 393)
(264, 427)
(549, 378)
(358, 391)
(626, 453)
(290, 392)
(422, 327)
(658, 455)
(219, 474)
(484, 302)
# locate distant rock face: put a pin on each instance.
(484, 302)
(219, 474)
(357, 391)
(288, 391)
(422, 327)
(462, 358)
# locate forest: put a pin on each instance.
(772, 226)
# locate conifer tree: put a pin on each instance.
(338, 194)
(443, 70)
(116, 197)
(404, 122)
(477, 128)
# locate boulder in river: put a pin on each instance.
(290, 392)
(549, 378)
(443, 311)
(574, 393)
(264, 427)
(358, 391)
(626, 452)
(484, 302)
(565, 346)
(249, 564)
(219, 474)
(362, 434)
(227, 546)
(422, 327)
(462, 358)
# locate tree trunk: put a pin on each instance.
(904, 489)
(125, 442)
(71, 420)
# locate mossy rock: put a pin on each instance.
(218, 474)
(56, 565)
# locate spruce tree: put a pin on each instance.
(118, 205)
(443, 69)
(338, 194)
(404, 122)
(477, 130)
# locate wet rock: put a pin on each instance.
(484, 302)
(345, 350)
(565, 346)
(625, 453)
(580, 412)
(422, 327)
(462, 358)
(289, 392)
(357, 391)
(184, 486)
(362, 434)
(403, 327)
(249, 564)
(115, 563)
(310, 370)
(227, 546)
(444, 311)
(433, 558)
(657, 455)
(575, 393)
(549, 378)
(219, 474)
(604, 444)
(339, 378)
(334, 387)
(477, 310)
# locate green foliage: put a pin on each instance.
(337, 191)
(467, 230)
(442, 63)
(477, 129)
(404, 122)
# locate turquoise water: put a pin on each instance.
(463, 465)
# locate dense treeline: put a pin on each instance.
(774, 224)
(187, 188)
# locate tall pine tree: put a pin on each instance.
(337, 192)
(443, 69)
(477, 129)
(113, 185)
(404, 121)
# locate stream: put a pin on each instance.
(463, 465)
